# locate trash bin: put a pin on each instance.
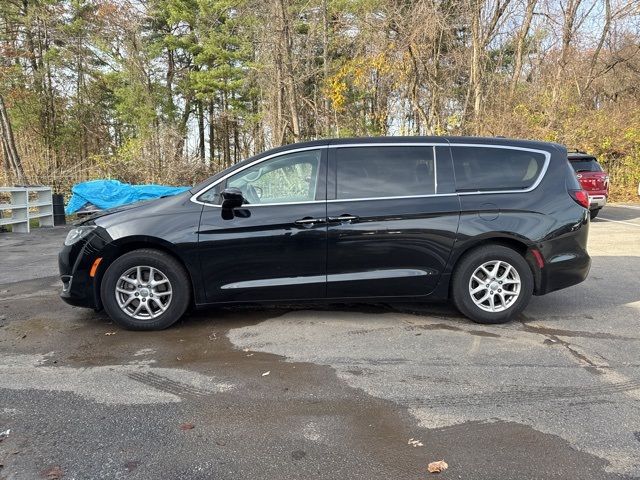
(58, 210)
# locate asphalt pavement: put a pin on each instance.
(341, 391)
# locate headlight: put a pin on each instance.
(78, 233)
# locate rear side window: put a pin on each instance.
(487, 169)
(585, 165)
(380, 171)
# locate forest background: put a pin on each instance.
(171, 91)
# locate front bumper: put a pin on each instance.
(597, 201)
(79, 288)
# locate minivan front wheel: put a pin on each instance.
(492, 284)
(145, 290)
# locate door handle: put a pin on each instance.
(309, 221)
(344, 218)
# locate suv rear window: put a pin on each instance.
(585, 165)
(370, 172)
(487, 168)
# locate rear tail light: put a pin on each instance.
(581, 197)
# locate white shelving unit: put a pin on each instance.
(27, 203)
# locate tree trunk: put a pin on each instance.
(182, 129)
(212, 133)
(520, 44)
(475, 80)
(201, 146)
(325, 65)
(596, 54)
(6, 163)
(568, 30)
(171, 69)
(9, 144)
(226, 143)
(286, 47)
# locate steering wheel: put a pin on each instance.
(250, 194)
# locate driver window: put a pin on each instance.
(291, 177)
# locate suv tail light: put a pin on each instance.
(581, 197)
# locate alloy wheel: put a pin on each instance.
(143, 292)
(495, 286)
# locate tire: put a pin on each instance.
(489, 256)
(594, 213)
(165, 299)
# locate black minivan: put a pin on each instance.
(486, 222)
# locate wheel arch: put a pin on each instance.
(517, 244)
(119, 247)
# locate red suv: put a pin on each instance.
(592, 178)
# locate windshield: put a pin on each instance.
(586, 165)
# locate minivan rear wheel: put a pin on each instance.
(145, 290)
(492, 284)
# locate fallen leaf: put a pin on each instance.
(53, 473)
(415, 443)
(187, 426)
(437, 467)
(266, 373)
(110, 333)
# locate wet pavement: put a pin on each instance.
(554, 394)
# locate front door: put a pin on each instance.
(273, 247)
(389, 233)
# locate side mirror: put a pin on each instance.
(231, 198)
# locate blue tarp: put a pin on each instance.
(112, 193)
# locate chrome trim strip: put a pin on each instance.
(379, 274)
(392, 144)
(391, 198)
(254, 205)
(435, 171)
(275, 282)
(541, 175)
(338, 277)
(341, 200)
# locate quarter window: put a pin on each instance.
(486, 168)
(380, 171)
(287, 178)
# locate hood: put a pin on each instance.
(142, 206)
(110, 211)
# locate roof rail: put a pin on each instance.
(575, 150)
